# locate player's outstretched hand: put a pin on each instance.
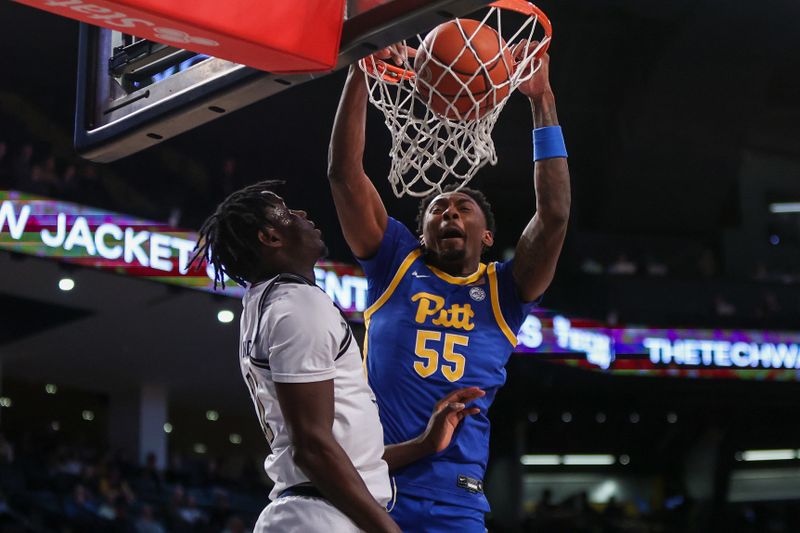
(535, 86)
(447, 414)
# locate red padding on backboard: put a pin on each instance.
(271, 35)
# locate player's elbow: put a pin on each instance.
(310, 451)
(343, 167)
(555, 216)
(339, 168)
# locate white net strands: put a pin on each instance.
(439, 138)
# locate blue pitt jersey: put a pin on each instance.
(429, 333)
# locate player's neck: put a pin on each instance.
(281, 267)
(460, 268)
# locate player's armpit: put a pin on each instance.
(359, 207)
(308, 409)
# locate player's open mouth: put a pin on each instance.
(451, 233)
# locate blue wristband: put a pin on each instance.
(548, 142)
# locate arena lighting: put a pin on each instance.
(235, 438)
(784, 207)
(538, 460)
(50, 388)
(167, 428)
(566, 417)
(199, 448)
(568, 460)
(672, 417)
(624, 459)
(66, 284)
(225, 316)
(606, 490)
(212, 415)
(87, 415)
(589, 460)
(769, 455)
(600, 418)
(5, 401)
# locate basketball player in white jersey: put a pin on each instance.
(305, 376)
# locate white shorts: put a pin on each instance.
(301, 514)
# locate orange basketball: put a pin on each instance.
(479, 62)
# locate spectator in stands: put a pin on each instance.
(122, 522)
(147, 522)
(176, 502)
(6, 451)
(190, 514)
(622, 266)
(591, 266)
(67, 187)
(707, 264)
(108, 507)
(45, 173)
(723, 308)
(151, 478)
(235, 525)
(768, 306)
(545, 507)
(113, 486)
(80, 509)
(655, 267)
(612, 510)
(221, 511)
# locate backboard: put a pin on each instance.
(132, 93)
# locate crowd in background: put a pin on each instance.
(48, 484)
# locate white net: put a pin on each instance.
(443, 137)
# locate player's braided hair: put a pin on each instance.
(229, 238)
(476, 195)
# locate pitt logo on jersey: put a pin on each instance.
(431, 305)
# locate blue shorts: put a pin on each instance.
(415, 515)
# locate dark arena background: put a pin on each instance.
(655, 390)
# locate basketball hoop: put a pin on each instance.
(438, 136)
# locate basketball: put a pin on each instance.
(461, 63)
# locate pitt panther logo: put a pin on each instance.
(430, 305)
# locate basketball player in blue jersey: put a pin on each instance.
(437, 315)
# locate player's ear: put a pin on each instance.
(487, 239)
(270, 237)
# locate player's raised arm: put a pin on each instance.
(308, 409)
(358, 205)
(540, 243)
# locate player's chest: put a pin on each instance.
(426, 301)
(441, 332)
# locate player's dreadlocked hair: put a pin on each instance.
(229, 238)
(476, 195)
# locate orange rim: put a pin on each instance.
(529, 10)
(386, 71)
(394, 74)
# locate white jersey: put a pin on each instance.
(291, 332)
